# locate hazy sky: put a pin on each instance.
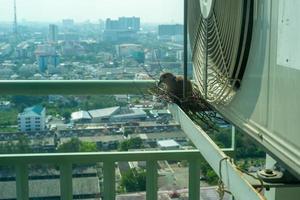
(80, 10)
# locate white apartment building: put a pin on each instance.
(32, 119)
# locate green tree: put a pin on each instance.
(134, 180)
(67, 115)
(21, 146)
(212, 177)
(132, 143)
(75, 145)
(87, 147)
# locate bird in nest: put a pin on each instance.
(170, 89)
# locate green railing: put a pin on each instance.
(66, 160)
(74, 87)
(232, 178)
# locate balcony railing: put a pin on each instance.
(66, 160)
(231, 177)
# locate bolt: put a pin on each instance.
(268, 171)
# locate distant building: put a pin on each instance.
(134, 51)
(119, 35)
(179, 55)
(123, 23)
(153, 137)
(161, 113)
(135, 114)
(112, 114)
(81, 117)
(94, 116)
(5, 49)
(32, 119)
(103, 115)
(85, 186)
(172, 32)
(122, 98)
(112, 24)
(106, 142)
(168, 144)
(170, 29)
(130, 23)
(5, 105)
(141, 76)
(70, 37)
(53, 33)
(46, 55)
(24, 50)
(122, 29)
(68, 23)
(101, 24)
(72, 48)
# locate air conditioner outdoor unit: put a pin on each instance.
(246, 56)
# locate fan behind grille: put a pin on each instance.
(220, 41)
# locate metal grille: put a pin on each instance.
(220, 44)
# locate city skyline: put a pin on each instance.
(166, 11)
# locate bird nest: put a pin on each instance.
(195, 106)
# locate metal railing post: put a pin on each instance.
(185, 50)
(194, 179)
(109, 180)
(22, 182)
(233, 137)
(66, 184)
(151, 180)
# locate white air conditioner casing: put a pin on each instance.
(266, 105)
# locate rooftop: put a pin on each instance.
(161, 135)
(105, 112)
(103, 138)
(50, 188)
(136, 112)
(160, 112)
(80, 115)
(34, 110)
(167, 143)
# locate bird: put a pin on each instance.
(174, 87)
(193, 104)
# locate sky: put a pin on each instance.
(150, 11)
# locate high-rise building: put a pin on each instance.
(68, 23)
(122, 29)
(101, 24)
(134, 51)
(130, 23)
(5, 49)
(123, 23)
(46, 55)
(32, 119)
(170, 29)
(53, 33)
(112, 24)
(24, 50)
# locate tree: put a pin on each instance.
(87, 147)
(133, 143)
(28, 70)
(212, 177)
(75, 145)
(22, 146)
(67, 115)
(98, 102)
(134, 180)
